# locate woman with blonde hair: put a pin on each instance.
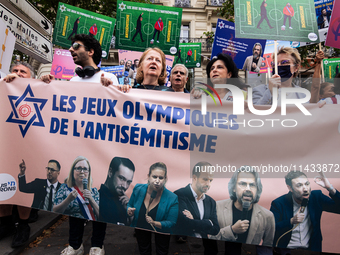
(76, 198)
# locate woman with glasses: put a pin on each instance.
(76, 198)
(289, 62)
(154, 208)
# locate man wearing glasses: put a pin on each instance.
(44, 189)
(240, 218)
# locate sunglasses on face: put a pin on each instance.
(76, 46)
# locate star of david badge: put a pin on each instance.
(26, 110)
(122, 6)
(62, 8)
(221, 24)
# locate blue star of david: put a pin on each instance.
(36, 119)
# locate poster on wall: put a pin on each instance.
(73, 20)
(140, 26)
(276, 20)
(189, 54)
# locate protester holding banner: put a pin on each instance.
(331, 93)
(288, 61)
(77, 199)
(151, 72)
(219, 70)
(155, 208)
(22, 233)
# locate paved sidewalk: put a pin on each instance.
(119, 241)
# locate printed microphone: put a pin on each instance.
(303, 205)
(85, 182)
(245, 205)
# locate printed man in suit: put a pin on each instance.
(44, 189)
(197, 211)
(240, 218)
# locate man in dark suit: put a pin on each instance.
(44, 189)
(197, 211)
(289, 212)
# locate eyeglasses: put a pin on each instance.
(51, 169)
(76, 46)
(284, 63)
(79, 169)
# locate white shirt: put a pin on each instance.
(96, 78)
(48, 188)
(301, 234)
(200, 206)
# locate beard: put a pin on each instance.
(255, 55)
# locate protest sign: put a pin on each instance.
(276, 20)
(7, 41)
(116, 70)
(73, 20)
(63, 65)
(238, 49)
(331, 67)
(140, 26)
(100, 123)
(333, 35)
(189, 54)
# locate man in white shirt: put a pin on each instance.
(86, 52)
(44, 189)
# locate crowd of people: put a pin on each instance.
(189, 210)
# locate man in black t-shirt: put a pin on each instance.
(113, 200)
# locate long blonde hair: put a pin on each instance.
(140, 74)
(70, 179)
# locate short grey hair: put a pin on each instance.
(233, 181)
(186, 70)
(18, 63)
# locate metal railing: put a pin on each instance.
(215, 2)
(183, 3)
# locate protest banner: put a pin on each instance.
(7, 42)
(140, 26)
(333, 35)
(276, 20)
(238, 49)
(63, 65)
(323, 10)
(331, 67)
(73, 20)
(269, 50)
(189, 54)
(101, 123)
(116, 70)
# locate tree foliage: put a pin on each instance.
(227, 10)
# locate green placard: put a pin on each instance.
(331, 68)
(73, 20)
(276, 19)
(140, 26)
(189, 54)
